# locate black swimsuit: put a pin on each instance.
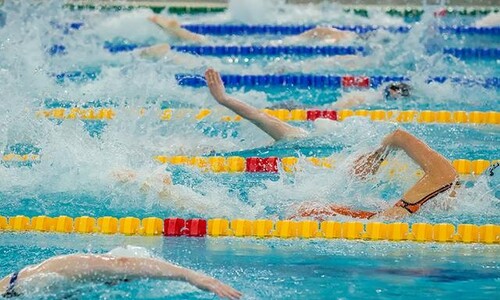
(10, 292)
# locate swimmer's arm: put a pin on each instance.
(438, 170)
(4, 282)
(172, 26)
(98, 266)
(431, 162)
(348, 102)
(274, 127)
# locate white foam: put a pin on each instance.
(131, 251)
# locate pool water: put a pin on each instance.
(284, 269)
(74, 175)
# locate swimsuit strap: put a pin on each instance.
(9, 293)
(414, 207)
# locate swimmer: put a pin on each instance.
(392, 92)
(158, 183)
(108, 268)
(320, 33)
(157, 179)
(439, 174)
(173, 28)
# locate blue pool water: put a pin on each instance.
(78, 159)
(284, 269)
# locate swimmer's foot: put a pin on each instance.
(156, 51)
(124, 176)
(368, 164)
(215, 85)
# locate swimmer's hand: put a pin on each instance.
(213, 285)
(215, 85)
(124, 176)
(368, 164)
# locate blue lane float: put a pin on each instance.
(464, 53)
(242, 29)
(247, 50)
(77, 76)
(298, 80)
(270, 50)
(67, 28)
(324, 81)
(488, 53)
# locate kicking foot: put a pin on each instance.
(124, 176)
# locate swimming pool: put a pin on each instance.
(72, 174)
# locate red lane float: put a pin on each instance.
(261, 164)
(355, 81)
(173, 227)
(180, 227)
(312, 115)
(196, 227)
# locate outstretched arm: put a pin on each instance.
(347, 102)
(274, 127)
(103, 267)
(172, 26)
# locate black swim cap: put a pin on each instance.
(399, 88)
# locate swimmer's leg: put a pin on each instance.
(156, 51)
(323, 212)
(326, 33)
(274, 127)
(173, 27)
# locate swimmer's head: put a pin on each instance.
(397, 90)
(493, 178)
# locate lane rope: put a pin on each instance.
(262, 228)
(294, 115)
(116, 47)
(326, 81)
(269, 29)
(238, 164)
